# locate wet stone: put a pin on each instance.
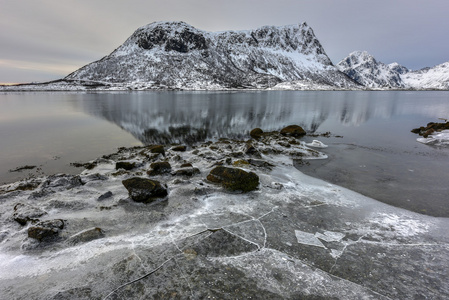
(125, 165)
(179, 148)
(104, 196)
(144, 190)
(25, 212)
(46, 230)
(188, 171)
(256, 133)
(159, 149)
(158, 168)
(234, 179)
(86, 236)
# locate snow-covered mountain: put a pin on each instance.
(428, 78)
(177, 55)
(366, 70)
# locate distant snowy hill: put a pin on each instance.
(366, 70)
(429, 78)
(177, 55)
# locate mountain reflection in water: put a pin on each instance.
(188, 117)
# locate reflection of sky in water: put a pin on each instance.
(55, 129)
(234, 114)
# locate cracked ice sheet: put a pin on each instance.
(353, 229)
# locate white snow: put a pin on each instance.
(436, 139)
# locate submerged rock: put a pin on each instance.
(25, 212)
(293, 130)
(234, 179)
(104, 196)
(144, 190)
(86, 236)
(46, 230)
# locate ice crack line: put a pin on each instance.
(138, 279)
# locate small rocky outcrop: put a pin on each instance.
(144, 190)
(256, 133)
(46, 230)
(158, 168)
(430, 128)
(234, 179)
(25, 212)
(86, 236)
(293, 130)
(125, 165)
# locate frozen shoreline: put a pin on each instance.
(294, 236)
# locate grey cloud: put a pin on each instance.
(411, 32)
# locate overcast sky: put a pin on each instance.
(47, 39)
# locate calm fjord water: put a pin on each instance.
(377, 155)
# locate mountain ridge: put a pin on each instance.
(177, 55)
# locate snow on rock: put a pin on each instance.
(436, 139)
(429, 78)
(366, 70)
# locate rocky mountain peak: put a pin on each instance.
(178, 55)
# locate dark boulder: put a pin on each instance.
(293, 130)
(125, 165)
(187, 170)
(234, 179)
(160, 167)
(256, 133)
(144, 190)
(46, 230)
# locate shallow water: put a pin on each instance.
(377, 155)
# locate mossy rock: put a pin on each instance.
(144, 190)
(234, 179)
(293, 130)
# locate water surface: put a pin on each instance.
(376, 155)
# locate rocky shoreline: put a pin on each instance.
(223, 219)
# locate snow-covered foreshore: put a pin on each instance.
(293, 236)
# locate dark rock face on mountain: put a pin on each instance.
(177, 55)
